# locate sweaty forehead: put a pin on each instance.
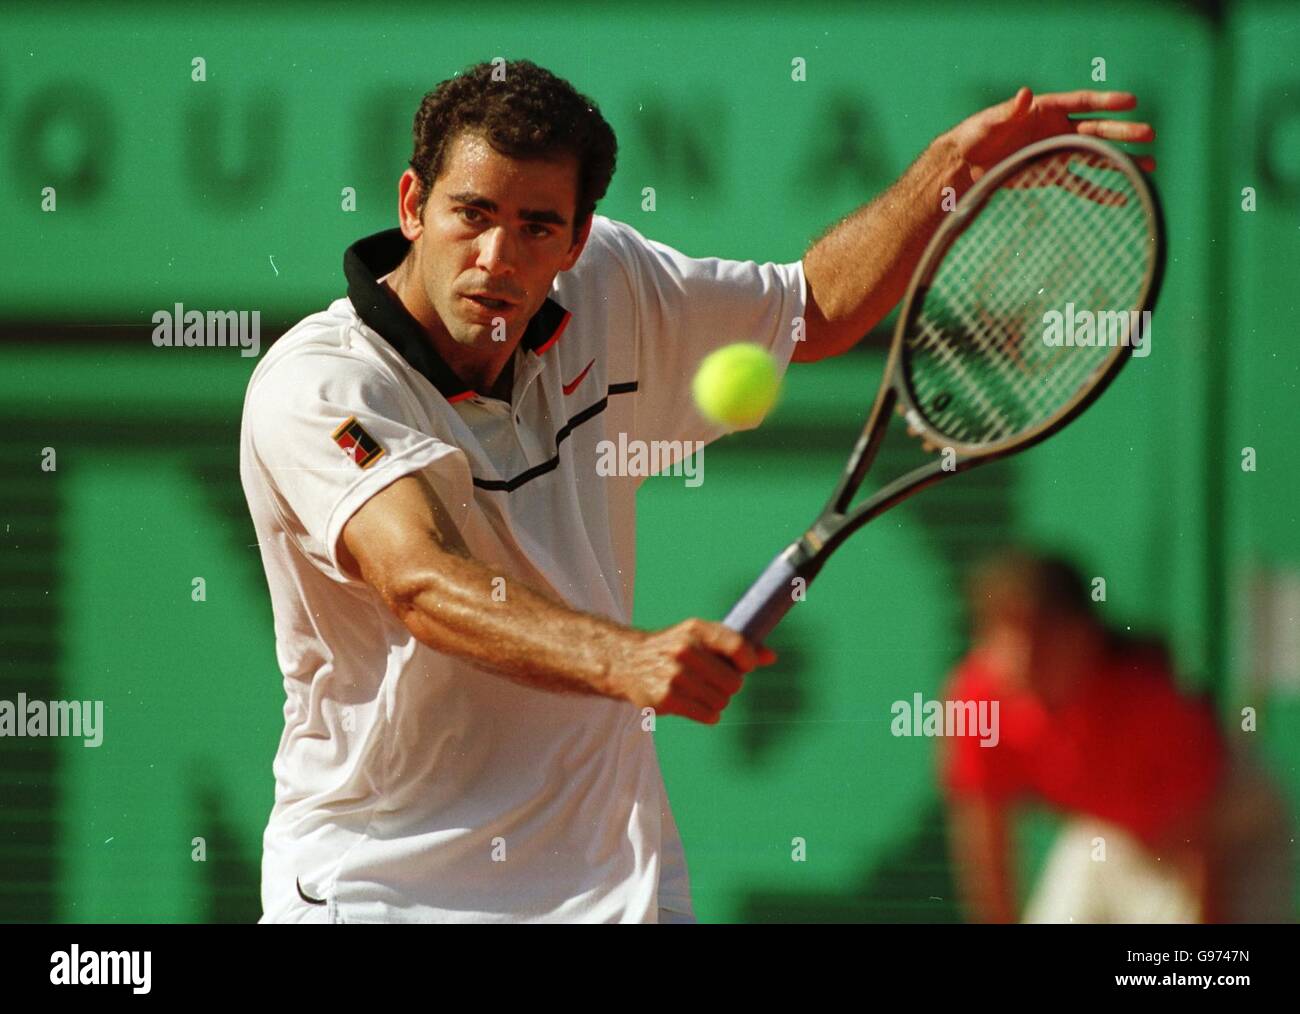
(472, 165)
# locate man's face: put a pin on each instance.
(1039, 653)
(494, 233)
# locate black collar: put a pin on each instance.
(369, 259)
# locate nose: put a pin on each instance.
(496, 252)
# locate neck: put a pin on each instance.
(487, 370)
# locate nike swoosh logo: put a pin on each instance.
(572, 385)
(303, 895)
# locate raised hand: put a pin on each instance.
(985, 139)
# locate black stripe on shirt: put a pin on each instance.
(510, 485)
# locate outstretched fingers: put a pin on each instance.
(1124, 131)
(1086, 101)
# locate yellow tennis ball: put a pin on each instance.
(736, 385)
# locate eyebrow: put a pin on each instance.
(474, 200)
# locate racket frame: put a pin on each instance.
(947, 234)
(762, 607)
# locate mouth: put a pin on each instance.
(495, 306)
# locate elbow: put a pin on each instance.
(827, 331)
(402, 592)
(819, 333)
(435, 602)
(402, 598)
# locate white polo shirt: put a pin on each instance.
(411, 785)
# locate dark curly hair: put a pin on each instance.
(531, 114)
(1051, 583)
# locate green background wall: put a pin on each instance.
(227, 194)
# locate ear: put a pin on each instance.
(409, 214)
(576, 250)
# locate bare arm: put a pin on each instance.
(981, 851)
(859, 268)
(403, 543)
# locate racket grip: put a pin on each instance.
(768, 599)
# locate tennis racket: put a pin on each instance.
(985, 360)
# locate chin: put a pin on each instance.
(472, 335)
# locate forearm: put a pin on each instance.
(982, 858)
(405, 545)
(859, 269)
(463, 608)
(992, 896)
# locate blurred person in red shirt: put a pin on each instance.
(1164, 822)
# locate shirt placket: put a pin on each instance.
(526, 435)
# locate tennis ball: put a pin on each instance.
(736, 385)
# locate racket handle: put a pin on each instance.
(768, 599)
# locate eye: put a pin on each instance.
(541, 230)
(467, 212)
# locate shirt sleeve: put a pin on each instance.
(688, 307)
(328, 431)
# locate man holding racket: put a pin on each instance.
(468, 717)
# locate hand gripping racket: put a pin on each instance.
(991, 353)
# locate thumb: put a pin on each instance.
(1019, 104)
(1002, 113)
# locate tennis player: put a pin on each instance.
(1164, 819)
(469, 716)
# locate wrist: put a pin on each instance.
(948, 166)
(609, 665)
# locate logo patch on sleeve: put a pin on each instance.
(357, 444)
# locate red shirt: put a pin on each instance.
(1128, 748)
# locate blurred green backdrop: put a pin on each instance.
(227, 193)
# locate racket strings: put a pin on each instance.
(1064, 234)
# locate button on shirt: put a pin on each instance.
(412, 785)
